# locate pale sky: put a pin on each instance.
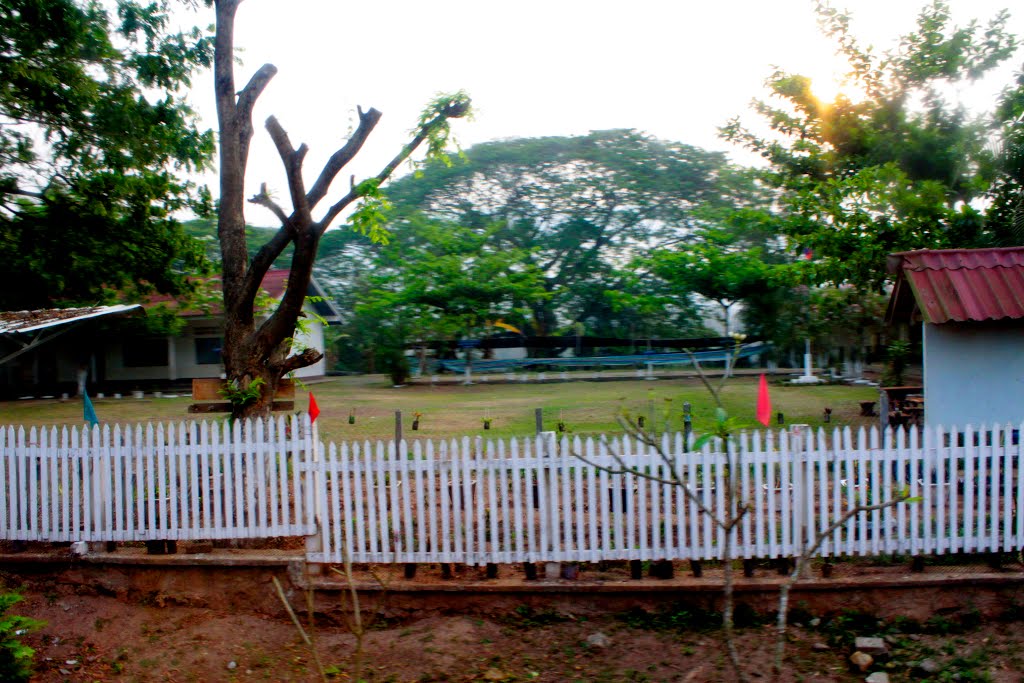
(675, 69)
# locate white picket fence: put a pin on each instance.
(532, 500)
(189, 481)
(474, 501)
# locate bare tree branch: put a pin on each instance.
(367, 122)
(386, 172)
(292, 160)
(264, 199)
(675, 480)
(801, 562)
(302, 360)
(246, 101)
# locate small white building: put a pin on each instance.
(970, 303)
(195, 351)
(46, 352)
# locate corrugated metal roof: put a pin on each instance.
(964, 284)
(274, 284)
(30, 321)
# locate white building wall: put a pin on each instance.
(315, 339)
(183, 356)
(974, 373)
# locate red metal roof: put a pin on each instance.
(274, 284)
(963, 284)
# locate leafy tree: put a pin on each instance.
(896, 170)
(718, 271)
(843, 319)
(86, 209)
(259, 350)
(440, 281)
(576, 208)
(1005, 218)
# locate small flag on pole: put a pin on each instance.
(89, 413)
(764, 402)
(314, 409)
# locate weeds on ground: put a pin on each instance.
(525, 617)
(16, 658)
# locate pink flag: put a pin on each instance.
(314, 409)
(764, 403)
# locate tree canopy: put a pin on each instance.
(87, 210)
(899, 165)
(576, 210)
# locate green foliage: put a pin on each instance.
(15, 657)
(435, 280)
(370, 217)
(831, 317)
(717, 270)
(895, 170)
(1005, 218)
(897, 356)
(395, 364)
(525, 617)
(435, 123)
(573, 210)
(674, 617)
(88, 210)
(242, 394)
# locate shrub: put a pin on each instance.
(15, 656)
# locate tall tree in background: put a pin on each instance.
(1005, 218)
(577, 208)
(86, 210)
(893, 168)
(259, 353)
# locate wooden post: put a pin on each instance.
(687, 427)
(398, 428)
(538, 418)
(636, 569)
(662, 569)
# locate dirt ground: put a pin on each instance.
(90, 636)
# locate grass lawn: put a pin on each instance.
(456, 410)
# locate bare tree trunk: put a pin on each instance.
(260, 350)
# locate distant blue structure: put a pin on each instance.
(634, 360)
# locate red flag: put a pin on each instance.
(314, 409)
(764, 403)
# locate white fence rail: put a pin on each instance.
(534, 500)
(189, 481)
(474, 501)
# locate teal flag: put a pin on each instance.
(90, 412)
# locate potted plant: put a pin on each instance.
(486, 422)
(352, 416)
(416, 420)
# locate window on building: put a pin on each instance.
(208, 350)
(145, 352)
